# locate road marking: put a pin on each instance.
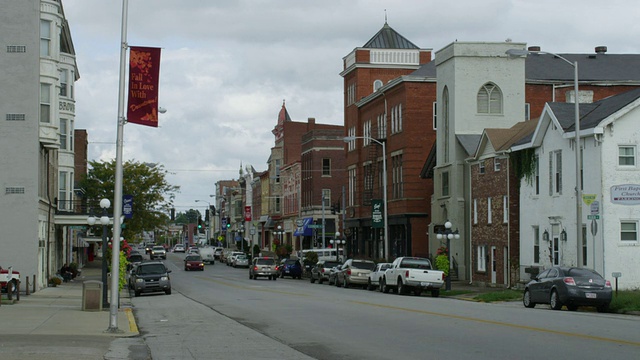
(523, 327)
(251, 288)
(133, 327)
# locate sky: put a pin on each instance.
(228, 65)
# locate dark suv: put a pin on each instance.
(290, 267)
(150, 276)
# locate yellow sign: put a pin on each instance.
(589, 198)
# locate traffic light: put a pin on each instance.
(228, 222)
(206, 215)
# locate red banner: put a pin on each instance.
(247, 213)
(144, 74)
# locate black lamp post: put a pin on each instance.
(337, 243)
(448, 234)
(104, 220)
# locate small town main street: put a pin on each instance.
(294, 319)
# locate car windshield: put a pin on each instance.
(265, 261)
(363, 265)
(415, 264)
(134, 258)
(193, 258)
(290, 262)
(158, 248)
(151, 269)
(241, 257)
(581, 272)
(330, 264)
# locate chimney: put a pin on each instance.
(311, 121)
(533, 48)
(601, 49)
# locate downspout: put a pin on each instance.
(470, 220)
(48, 223)
(508, 264)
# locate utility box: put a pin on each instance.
(92, 295)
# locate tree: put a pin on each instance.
(152, 194)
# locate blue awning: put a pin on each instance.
(304, 230)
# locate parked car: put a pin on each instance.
(354, 272)
(158, 251)
(207, 254)
(9, 280)
(333, 272)
(240, 261)
(375, 275)
(322, 269)
(193, 262)
(290, 267)
(178, 248)
(218, 253)
(232, 256)
(263, 266)
(412, 275)
(568, 286)
(193, 250)
(150, 276)
(134, 259)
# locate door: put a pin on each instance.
(494, 262)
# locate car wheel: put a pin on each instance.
(275, 278)
(383, 286)
(186, 269)
(400, 289)
(320, 281)
(369, 286)
(554, 301)
(345, 283)
(168, 291)
(417, 292)
(255, 277)
(137, 293)
(311, 279)
(250, 277)
(602, 308)
(435, 293)
(526, 299)
(572, 307)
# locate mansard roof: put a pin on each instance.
(387, 38)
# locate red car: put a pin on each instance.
(193, 262)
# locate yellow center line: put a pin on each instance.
(523, 327)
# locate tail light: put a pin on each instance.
(322, 271)
(607, 284)
(349, 272)
(569, 281)
(255, 268)
(444, 277)
(406, 274)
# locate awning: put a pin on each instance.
(304, 230)
(264, 218)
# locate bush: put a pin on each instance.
(55, 281)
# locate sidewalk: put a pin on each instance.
(58, 311)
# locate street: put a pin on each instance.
(294, 318)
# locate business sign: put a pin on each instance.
(247, 213)
(627, 194)
(127, 206)
(377, 214)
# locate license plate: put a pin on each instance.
(591, 295)
(425, 283)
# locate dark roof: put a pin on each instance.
(469, 142)
(592, 114)
(430, 164)
(387, 38)
(591, 68)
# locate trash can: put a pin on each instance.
(92, 295)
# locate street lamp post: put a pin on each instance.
(280, 234)
(384, 185)
(522, 52)
(449, 235)
(337, 243)
(104, 220)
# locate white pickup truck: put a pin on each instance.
(412, 274)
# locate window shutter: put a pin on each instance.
(559, 165)
(551, 173)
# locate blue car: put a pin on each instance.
(290, 267)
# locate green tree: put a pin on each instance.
(152, 194)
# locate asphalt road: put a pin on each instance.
(293, 318)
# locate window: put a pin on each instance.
(63, 134)
(277, 163)
(496, 165)
(537, 176)
(351, 145)
(536, 245)
(481, 167)
(527, 111)
(377, 85)
(489, 99)
(62, 193)
(326, 167)
(368, 176)
(627, 155)
(482, 258)
(45, 103)
(629, 231)
(64, 78)
(489, 214)
(555, 172)
(445, 183)
(505, 209)
(366, 133)
(351, 93)
(435, 115)
(396, 174)
(277, 205)
(382, 126)
(45, 38)
(326, 197)
(396, 119)
(352, 186)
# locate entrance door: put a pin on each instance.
(494, 262)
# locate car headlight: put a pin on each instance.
(139, 280)
(164, 278)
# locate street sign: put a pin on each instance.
(592, 217)
(314, 226)
(595, 208)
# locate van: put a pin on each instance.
(325, 254)
(207, 253)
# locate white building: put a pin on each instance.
(609, 138)
(36, 136)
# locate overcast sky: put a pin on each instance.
(227, 65)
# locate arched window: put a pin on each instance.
(377, 85)
(489, 99)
